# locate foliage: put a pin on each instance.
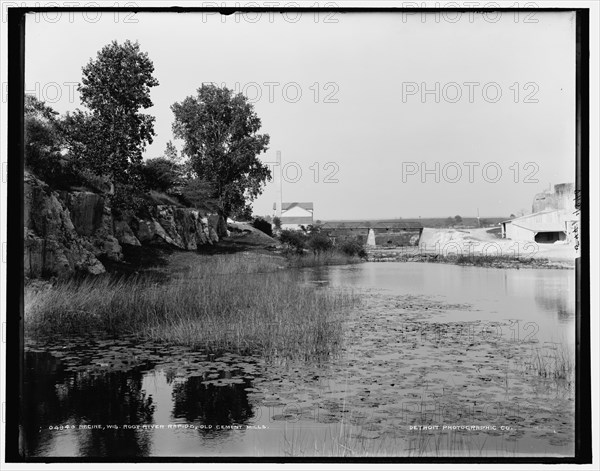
(171, 152)
(197, 193)
(43, 145)
(313, 228)
(127, 198)
(277, 222)
(318, 242)
(458, 219)
(353, 247)
(112, 137)
(220, 131)
(264, 226)
(243, 213)
(162, 174)
(294, 240)
(450, 221)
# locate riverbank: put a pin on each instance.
(478, 247)
(413, 254)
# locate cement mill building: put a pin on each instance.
(553, 218)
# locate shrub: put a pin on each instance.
(198, 194)
(161, 174)
(263, 226)
(295, 240)
(353, 247)
(318, 242)
(43, 145)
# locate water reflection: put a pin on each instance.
(54, 397)
(210, 405)
(60, 404)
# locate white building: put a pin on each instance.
(547, 226)
(295, 215)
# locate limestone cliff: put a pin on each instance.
(68, 232)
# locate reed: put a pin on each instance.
(241, 303)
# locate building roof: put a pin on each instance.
(296, 220)
(286, 206)
(529, 216)
(541, 227)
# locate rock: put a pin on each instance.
(184, 226)
(151, 232)
(72, 231)
(86, 209)
(124, 234)
(52, 246)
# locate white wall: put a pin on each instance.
(518, 233)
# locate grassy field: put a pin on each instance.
(243, 303)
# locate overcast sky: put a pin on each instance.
(341, 97)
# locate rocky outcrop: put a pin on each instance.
(67, 232)
(52, 245)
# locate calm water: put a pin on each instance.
(156, 409)
(540, 301)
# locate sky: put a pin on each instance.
(376, 115)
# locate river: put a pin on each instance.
(439, 360)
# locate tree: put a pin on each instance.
(45, 144)
(162, 174)
(277, 222)
(449, 221)
(171, 152)
(220, 131)
(512, 216)
(115, 86)
(458, 219)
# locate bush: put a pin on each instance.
(43, 145)
(295, 240)
(161, 174)
(263, 226)
(318, 242)
(197, 193)
(353, 248)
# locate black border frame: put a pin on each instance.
(15, 285)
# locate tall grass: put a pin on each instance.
(238, 303)
(553, 363)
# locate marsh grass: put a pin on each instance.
(554, 362)
(243, 303)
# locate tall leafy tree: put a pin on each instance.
(221, 137)
(115, 87)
